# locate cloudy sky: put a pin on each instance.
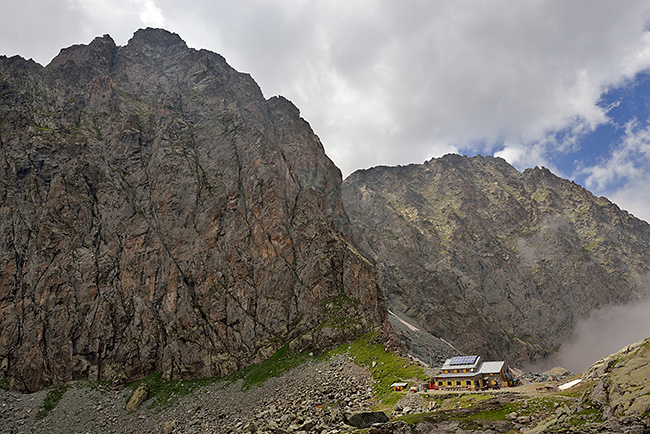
(563, 84)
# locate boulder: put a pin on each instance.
(366, 419)
(622, 387)
(169, 426)
(557, 372)
(523, 419)
(138, 397)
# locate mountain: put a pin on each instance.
(497, 262)
(159, 214)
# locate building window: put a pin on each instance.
(448, 383)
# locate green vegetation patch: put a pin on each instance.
(37, 126)
(390, 399)
(543, 406)
(494, 414)
(413, 419)
(167, 392)
(275, 366)
(465, 400)
(388, 367)
(54, 395)
(587, 415)
(471, 410)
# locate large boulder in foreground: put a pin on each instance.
(366, 419)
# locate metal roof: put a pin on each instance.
(491, 367)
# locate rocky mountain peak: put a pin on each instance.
(160, 215)
(158, 41)
(157, 37)
(498, 262)
(98, 54)
(541, 174)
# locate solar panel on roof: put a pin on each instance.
(463, 360)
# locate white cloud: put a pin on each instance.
(23, 29)
(521, 156)
(387, 82)
(150, 14)
(634, 197)
(626, 161)
(39, 29)
(623, 175)
(525, 154)
(119, 12)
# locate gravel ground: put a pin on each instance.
(307, 397)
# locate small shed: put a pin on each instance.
(398, 386)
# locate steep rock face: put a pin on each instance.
(157, 213)
(496, 261)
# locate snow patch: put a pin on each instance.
(569, 384)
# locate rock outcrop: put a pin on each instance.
(158, 213)
(497, 262)
(622, 388)
(615, 397)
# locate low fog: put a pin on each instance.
(605, 332)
